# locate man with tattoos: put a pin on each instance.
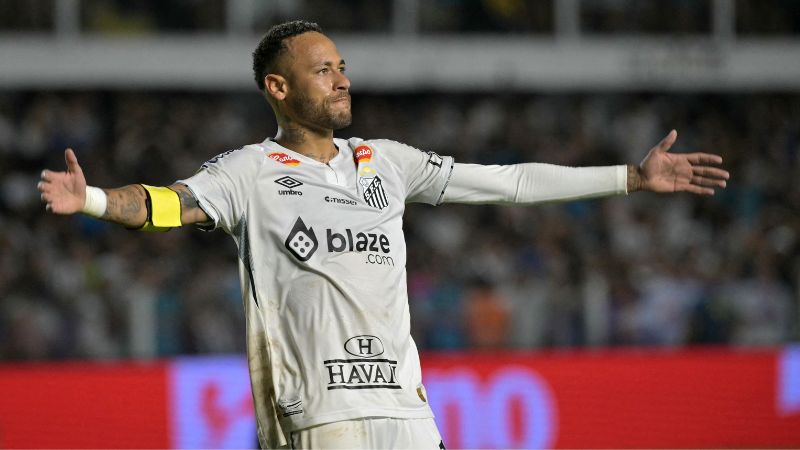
(318, 224)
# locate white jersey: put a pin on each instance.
(322, 266)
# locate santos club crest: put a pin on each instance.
(370, 182)
(374, 194)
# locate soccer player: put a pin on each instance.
(318, 225)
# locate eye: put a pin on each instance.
(324, 70)
(342, 69)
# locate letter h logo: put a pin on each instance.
(365, 346)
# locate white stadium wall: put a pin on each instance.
(387, 63)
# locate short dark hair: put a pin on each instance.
(273, 44)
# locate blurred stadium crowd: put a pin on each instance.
(643, 270)
(434, 16)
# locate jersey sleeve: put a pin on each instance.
(425, 174)
(533, 183)
(224, 183)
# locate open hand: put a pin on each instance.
(64, 192)
(661, 171)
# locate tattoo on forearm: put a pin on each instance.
(133, 204)
(634, 179)
(126, 206)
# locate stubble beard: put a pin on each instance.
(322, 114)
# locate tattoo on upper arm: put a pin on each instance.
(187, 199)
(191, 212)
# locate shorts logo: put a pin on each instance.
(291, 184)
(302, 242)
(365, 370)
(290, 407)
(364, 346)
(283, 158)
(363, 154)
(374, 194)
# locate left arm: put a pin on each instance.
(531, 183)
(660, 171)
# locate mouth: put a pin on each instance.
(341, 98)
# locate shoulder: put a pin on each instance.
(400, 154)
(379, 144)
(247, 155)
(394, 151)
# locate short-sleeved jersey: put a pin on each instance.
(322, 266)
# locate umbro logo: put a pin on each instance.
(290, 184)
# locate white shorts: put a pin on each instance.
(370, 433)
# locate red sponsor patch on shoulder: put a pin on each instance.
(283, 158)
(363, 153)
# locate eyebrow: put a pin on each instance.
(329, 63)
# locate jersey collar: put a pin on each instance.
(344, 151)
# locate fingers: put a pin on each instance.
(709, 177)
(703, 158)
(709, 182)
(72, 162)
(54, 203)
(47, 199)
(49, 178)
(704, 180)
(46, 190)
(712, 172)
(43, 186)
(58, 189)
(695, 189)
(667, 142)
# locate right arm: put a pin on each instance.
(66, 193)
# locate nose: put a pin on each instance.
(341, 82)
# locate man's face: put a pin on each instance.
(318, 95)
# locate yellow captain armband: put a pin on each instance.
(163, 209)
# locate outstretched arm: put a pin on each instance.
(660, 171)
(67, 193)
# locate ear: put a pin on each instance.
(275, 86)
